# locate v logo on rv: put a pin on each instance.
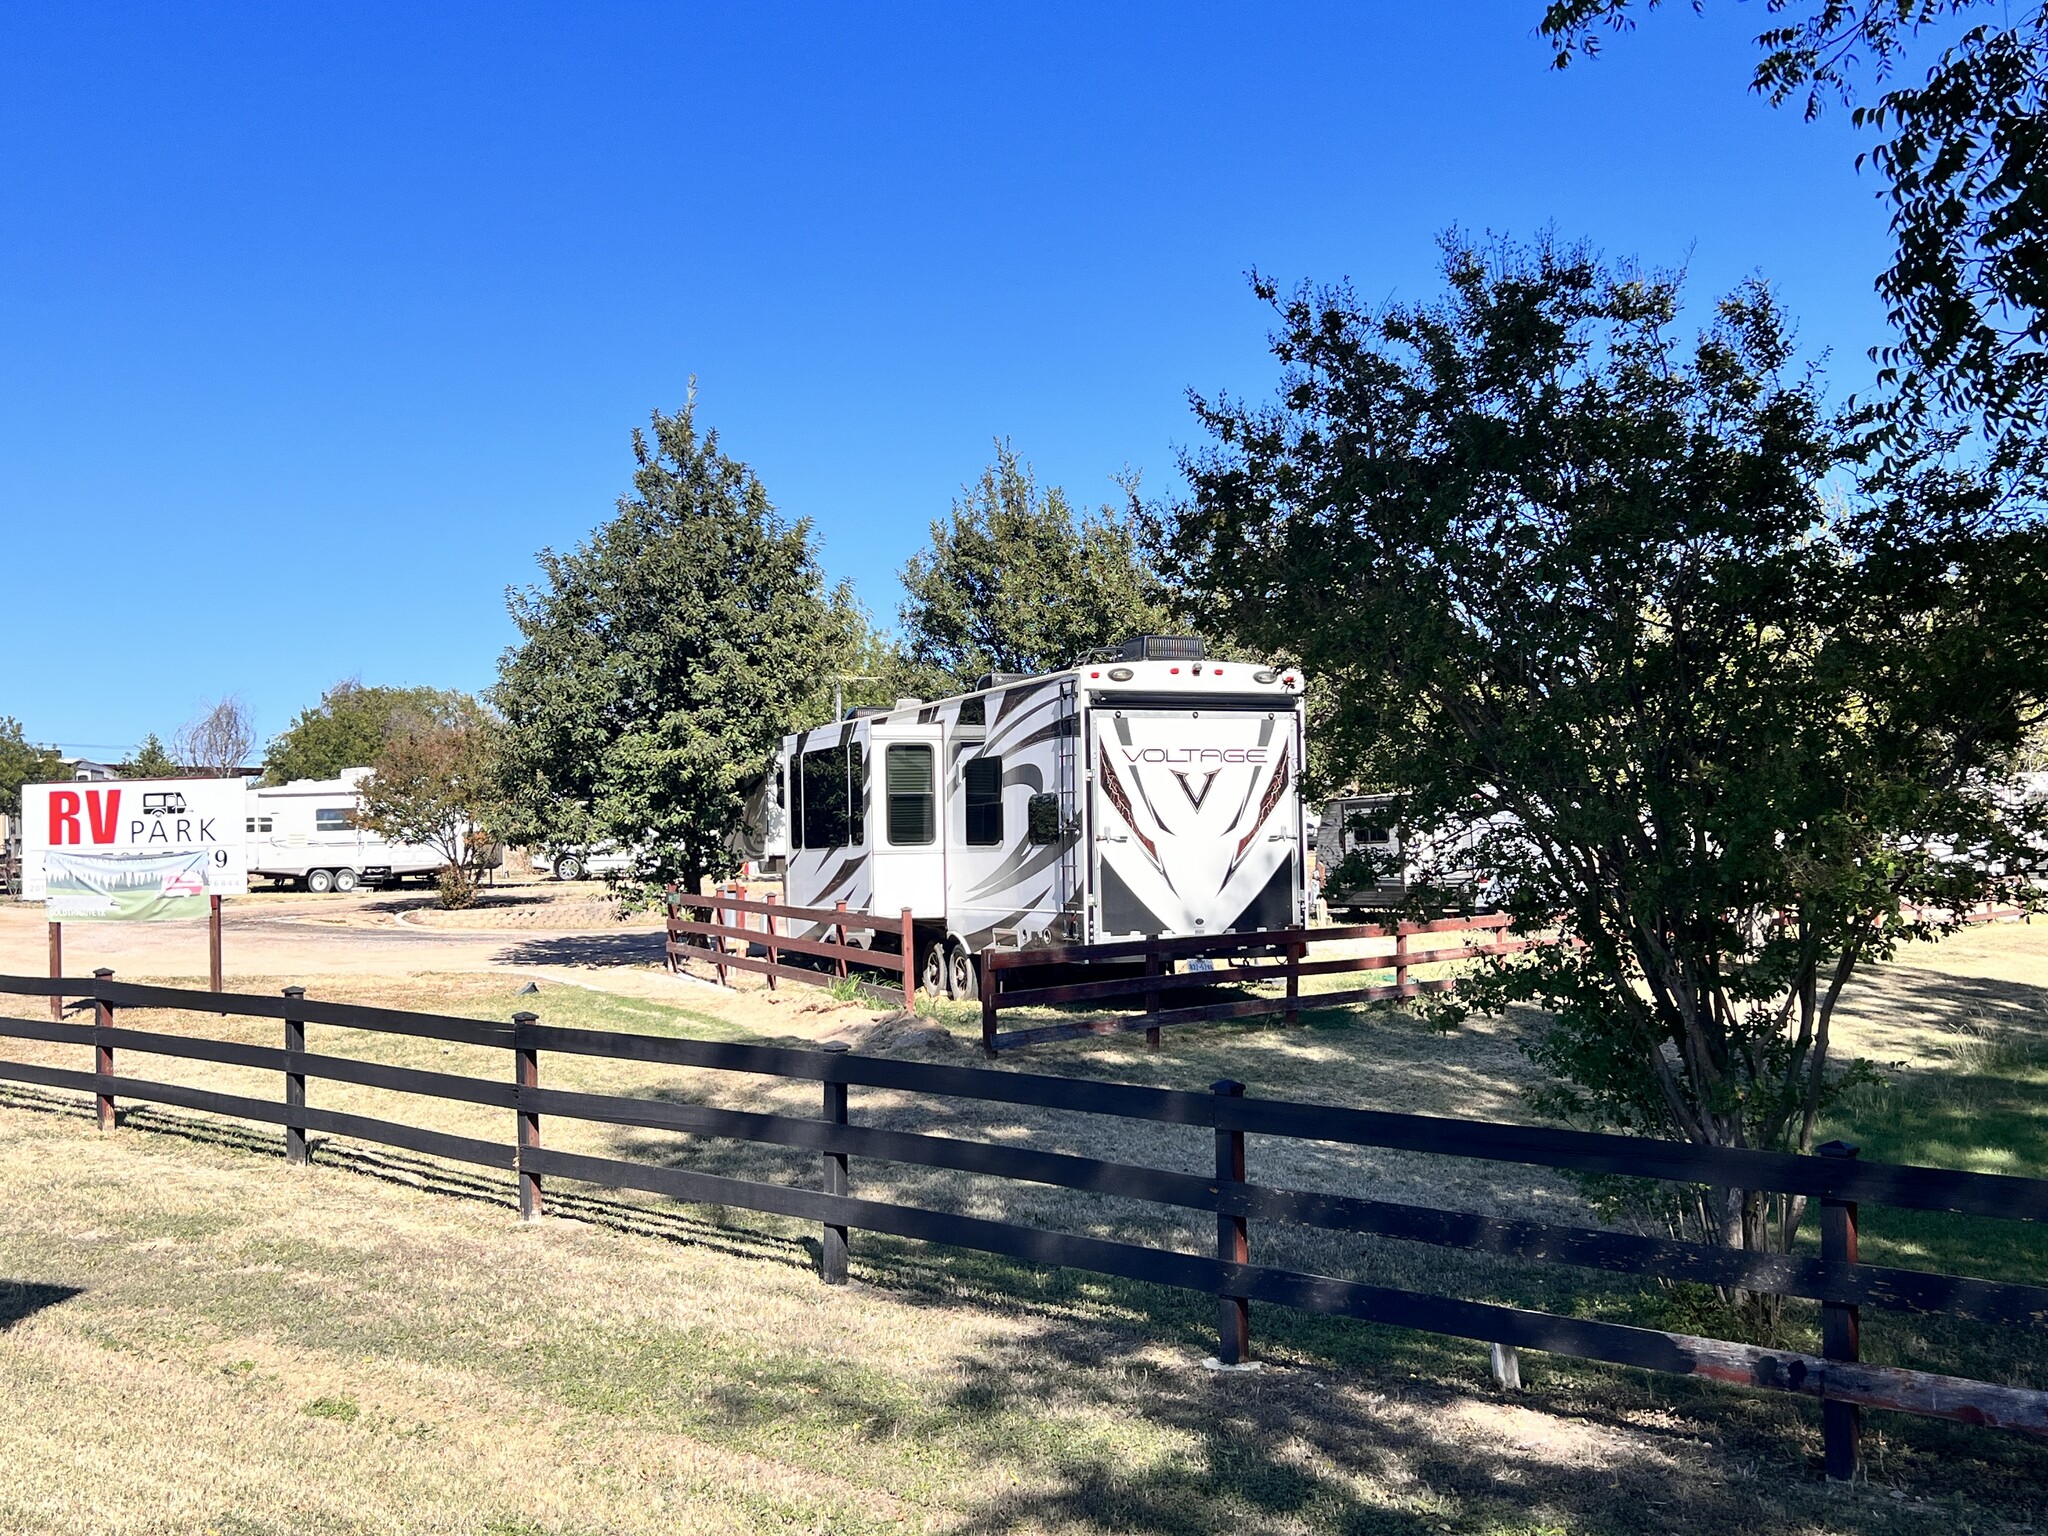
(1195, 797)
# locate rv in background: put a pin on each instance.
(304, 833)
(1370, 824)
(1152, 793)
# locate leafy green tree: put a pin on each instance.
(152, 760)
(662, 660)
(1624, 609)
(437, 783)
(1964, 153)
(347, 729)
(1017, 581)
(23, 762)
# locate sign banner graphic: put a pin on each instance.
(146, 888)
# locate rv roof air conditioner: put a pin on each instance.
(1161, 648)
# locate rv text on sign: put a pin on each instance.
(200, 821)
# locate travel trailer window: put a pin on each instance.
(825, 795)
(984, 781)
(327, 818)
(259, 824)
(912, 817)
(974, 711)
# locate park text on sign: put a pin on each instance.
(200, 821)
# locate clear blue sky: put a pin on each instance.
(316, 322)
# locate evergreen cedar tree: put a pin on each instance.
(152, 760)
(23, 762)
(1017, 581)
(662, 660)
(1741, 695)
(1962, 148)
(348, 728)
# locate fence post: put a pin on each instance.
(1294, 954)
(213, 965)
(525, 1075)
(668, 942)
(988, 1002)
(56, 967)
(1152, 998)
(1233, 1241)
(719, 916)
(839, 937)
(768, 925)
(1841, 1424)
(103, 1053)
(1401, 959)
(832, 1249)
(294, 1083)
(909, 963)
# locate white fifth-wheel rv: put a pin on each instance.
(1155, 792)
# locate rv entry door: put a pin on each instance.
(907, 830)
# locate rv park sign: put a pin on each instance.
(138, 848)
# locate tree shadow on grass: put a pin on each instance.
(637, 947)
(20, 1299)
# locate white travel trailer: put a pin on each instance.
(1153, 793)
(1370, 824)
(305, 833)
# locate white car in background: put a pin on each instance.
(582, 863)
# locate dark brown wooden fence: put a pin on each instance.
(1281, 955)
(732, 922)
(1838, 1180)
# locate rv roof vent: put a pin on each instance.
(989, 680)
(1161, 648)
(862, 711)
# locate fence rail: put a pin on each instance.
(1273, 955)
(1838, 1179)
(729, 924)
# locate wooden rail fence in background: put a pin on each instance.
(1838, 1180)
(1275, 955)
(711, 939)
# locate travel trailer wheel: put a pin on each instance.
(932, 973)
(963, 976)
(344, 880)
(319, 881)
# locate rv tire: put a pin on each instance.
(932, 970)
(963, 976)
(568, 867)
(345, 880)
(319, 881)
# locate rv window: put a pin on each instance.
(781, 789)
(1042, 817)
(984, 776)
(824, 798)
(911, 819)
(974, 711)
(259, 823)
(330, 819)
